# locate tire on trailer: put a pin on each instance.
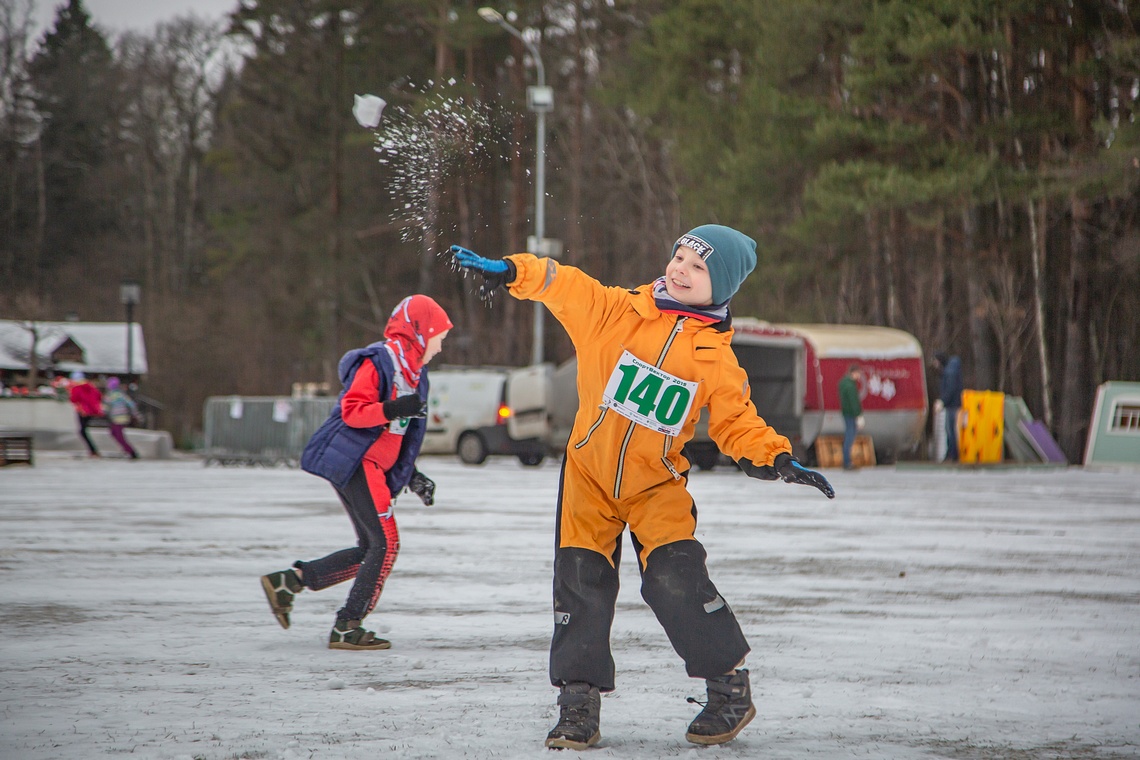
(704, 457)
(532, 458)
(471, 448)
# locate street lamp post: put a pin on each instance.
(540, 100)
(129, 295)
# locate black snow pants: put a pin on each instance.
(676, 586)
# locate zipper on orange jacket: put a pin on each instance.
(593, 427)
(629, 431)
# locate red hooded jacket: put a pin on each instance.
(413, 322)
(86, 399)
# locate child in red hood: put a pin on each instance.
(88, 403)
(367, 449)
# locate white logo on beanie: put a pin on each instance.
(701, 247)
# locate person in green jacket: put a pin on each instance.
(851, 408)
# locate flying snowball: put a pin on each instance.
(367, 110)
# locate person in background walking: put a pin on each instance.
(367, 449)
(121, 411)
(88, 403)
(852, 410)
(950, 392)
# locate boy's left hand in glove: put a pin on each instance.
(791, 471)
(423, 486)
(496, 272)
(787, 468)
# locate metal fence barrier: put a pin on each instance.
(261, 430)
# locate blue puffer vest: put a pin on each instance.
(336, 450)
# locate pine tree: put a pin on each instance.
(73, 76)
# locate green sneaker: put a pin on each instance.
(348, 634)
(280, 588)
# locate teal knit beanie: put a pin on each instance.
(730, 256)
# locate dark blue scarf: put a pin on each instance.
(666, 303)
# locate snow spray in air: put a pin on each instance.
(442, 133)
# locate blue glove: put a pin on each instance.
(468, 259)
(496, 272)
(787, 468)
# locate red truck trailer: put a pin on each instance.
(794, 371)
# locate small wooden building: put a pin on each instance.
(1114, 435)
(94, 348)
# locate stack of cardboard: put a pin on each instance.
(829, 451)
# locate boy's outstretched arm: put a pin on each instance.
(740, 432)
(496, 272)
(788, 468)
(579, 302)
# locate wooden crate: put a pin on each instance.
(829, 451)
(15, 449)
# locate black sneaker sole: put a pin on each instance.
(725, 737)
(561, 742)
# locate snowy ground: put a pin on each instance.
(923, 613)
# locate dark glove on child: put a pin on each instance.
(405, 406)
(787, 468)
(792, 471)
(496, 272)
(423, 486)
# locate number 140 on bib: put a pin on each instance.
(649, 396)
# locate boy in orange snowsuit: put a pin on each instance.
(649, 359)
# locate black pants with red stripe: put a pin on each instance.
(369, 562)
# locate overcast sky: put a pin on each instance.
(137, 15)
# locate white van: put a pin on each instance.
(476, 412)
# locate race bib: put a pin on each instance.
(649, 396)
(399, 426)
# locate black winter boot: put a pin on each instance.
(579, 719)
(728, 710)
(280, 588)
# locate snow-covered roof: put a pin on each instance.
(103, 344)
(840, 341)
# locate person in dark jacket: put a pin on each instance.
(950, 391)
(367, 449)
(851, 408)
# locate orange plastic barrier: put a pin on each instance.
(981, 427)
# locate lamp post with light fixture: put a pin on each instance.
(129, 295)
(540, 100)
